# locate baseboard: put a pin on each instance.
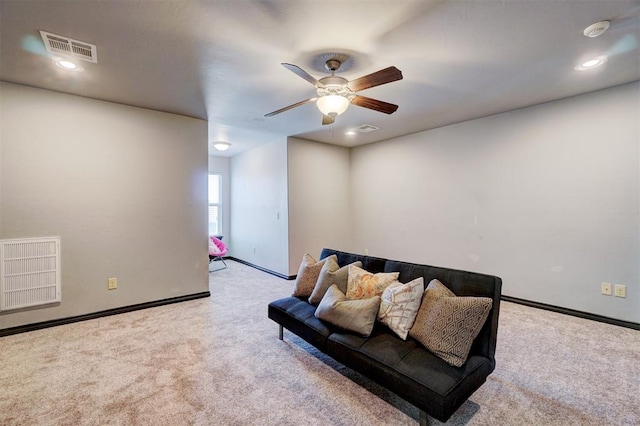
(567, 311)
(94, 315)
(277, 274)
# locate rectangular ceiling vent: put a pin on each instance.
(366, 128)
(66, 46)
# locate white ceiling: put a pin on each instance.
(220, 60)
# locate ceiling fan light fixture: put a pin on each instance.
(332, 105)
(221, 146)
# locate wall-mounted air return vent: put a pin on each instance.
(66, 46)
(366, 128)
(29, 272)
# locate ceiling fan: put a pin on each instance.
(335, 93)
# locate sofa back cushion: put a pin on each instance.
(369, 263)
(462, 283)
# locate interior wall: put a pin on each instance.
(545, 197)
(259, 207)
(222, 166)
(125, 188)
(319, 199)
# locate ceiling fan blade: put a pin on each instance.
(327, 119)
(302, 73)
(363, 101)
(306, 101)
(377, 78)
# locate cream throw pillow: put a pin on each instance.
(399, 306)
(353, 315)
(308, 275)
(447, 324)
(363, 285)
(331, 274)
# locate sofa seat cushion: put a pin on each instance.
(410, 370)
(296, 315)
(432, 372)
(383, 347)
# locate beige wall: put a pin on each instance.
(259, 226)
(545, 197)
(319, 199)
(125, 188)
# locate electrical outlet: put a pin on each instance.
(112, 284)
(620, 290)
(366, 252)
(606, 289)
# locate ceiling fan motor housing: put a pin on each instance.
(334, 85)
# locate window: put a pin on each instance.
(215, 204)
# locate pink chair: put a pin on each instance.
(217, 251)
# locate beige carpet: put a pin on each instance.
(218, 361)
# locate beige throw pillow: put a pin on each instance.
(331, 274)
(399, 306)
(353, 315)
(308, 275)
(447, 324)
(363, 285)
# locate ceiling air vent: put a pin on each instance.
(62, 45)
(366, 128)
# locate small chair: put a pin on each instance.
(217, 251)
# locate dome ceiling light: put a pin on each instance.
(221, 146)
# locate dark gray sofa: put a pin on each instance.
(406, 368)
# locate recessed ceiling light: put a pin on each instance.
(592, 63)
(68, 65)
(350, 132)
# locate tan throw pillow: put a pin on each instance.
(331, 274)
(353, 315)
(447, 324)
(363, 285)
(399, 306)
(308, 275)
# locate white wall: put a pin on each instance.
(545, 197)
(259, 207)
(124, 187)
(319, 199)
(222, 166)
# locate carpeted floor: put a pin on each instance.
(218, 361)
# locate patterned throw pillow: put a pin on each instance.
(353, 315)
(331, 274)
(308, 275)
(363, 285)
(447, 324)
(400, 304)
